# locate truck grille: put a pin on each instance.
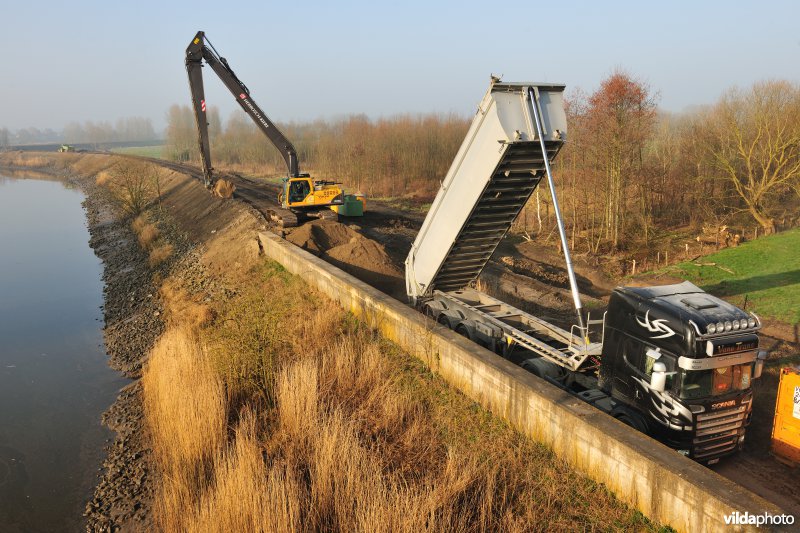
(717, 433)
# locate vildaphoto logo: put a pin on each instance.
(764, 519)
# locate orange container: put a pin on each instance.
(786, 427)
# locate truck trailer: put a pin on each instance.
(671, 361)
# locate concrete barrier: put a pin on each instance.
(651, 477)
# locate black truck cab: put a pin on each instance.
(703, 352)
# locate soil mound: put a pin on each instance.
(540, 271)
(319, 236)
(349, 250)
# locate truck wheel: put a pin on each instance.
(443, 320)
(633, 421)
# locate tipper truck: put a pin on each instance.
(672, 361)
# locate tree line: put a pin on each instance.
(405, 155)
(630, 170)
(626, 172)
(124, 129)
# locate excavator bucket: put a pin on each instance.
(224, 188)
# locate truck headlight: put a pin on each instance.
(728, 325)
(751, 322)
(743, 323)
(711, 328)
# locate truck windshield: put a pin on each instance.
(715, 382)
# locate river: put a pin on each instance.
(54, 378)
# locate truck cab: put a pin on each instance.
(682, 362)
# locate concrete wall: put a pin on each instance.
(661, 483)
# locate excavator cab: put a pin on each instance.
(305, 192)
(299, 189)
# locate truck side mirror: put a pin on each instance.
(759, 366)
(658, 378)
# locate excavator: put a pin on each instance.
(301, 194)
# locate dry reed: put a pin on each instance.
(332, 428)
(184, 402)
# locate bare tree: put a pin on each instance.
(181, 133)
(132, 184)
(754, 146)
(610, 130)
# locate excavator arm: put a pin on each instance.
(197, 51)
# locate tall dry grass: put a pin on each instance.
(151, 241)
(183, 308)
(26, 160)
(291, 416)
(184, 404)
(84, 164)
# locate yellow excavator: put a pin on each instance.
(300, 193)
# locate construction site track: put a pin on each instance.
(394, 227)
(260, 195)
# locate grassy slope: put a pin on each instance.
(765, 271)
(330, 427)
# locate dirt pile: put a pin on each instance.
(534, 269)
(352, 252)
(320, 236)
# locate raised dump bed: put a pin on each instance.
(499, 165)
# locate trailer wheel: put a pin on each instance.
(463, 331)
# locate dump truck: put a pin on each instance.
(671, 361)
(301, 195)
(66, 148)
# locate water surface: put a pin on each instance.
(54, 378)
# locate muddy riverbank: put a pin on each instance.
(132, 315)
(208, 240)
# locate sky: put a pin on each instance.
(85, 60)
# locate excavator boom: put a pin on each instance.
(198, 51)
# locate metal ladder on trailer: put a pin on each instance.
(566, 349)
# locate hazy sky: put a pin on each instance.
(101, 60)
